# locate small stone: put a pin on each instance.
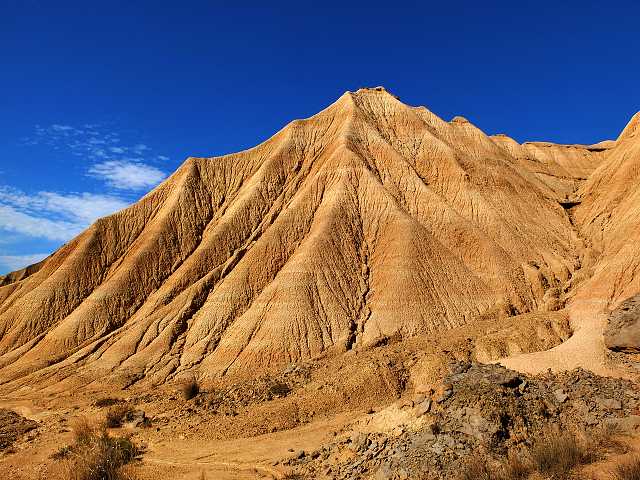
(443, 394)
(422, 408)
(560, 395)
(610, 403)
(509, 379)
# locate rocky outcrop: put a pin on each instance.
(13, 427)
(487, 408)
(623, 331)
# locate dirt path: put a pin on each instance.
(219, 470)
(584, 349)
(244, 458)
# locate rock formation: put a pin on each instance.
(623, 331)
(369, 219)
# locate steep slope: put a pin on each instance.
(371, 218)
(609, 216)
(606, 213)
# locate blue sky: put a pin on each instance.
(99, 101)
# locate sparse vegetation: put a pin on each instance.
(190, 389)
(279, 389)
(477, 468)
(95, 455)
(553, 456)
(606, 439)
(516, 466)
(107, 402)
(556, 454)
(117, 415)
(628, 469)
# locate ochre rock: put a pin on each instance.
(369, 219)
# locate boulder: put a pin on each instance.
(623, 331)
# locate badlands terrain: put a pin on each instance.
(373, 292)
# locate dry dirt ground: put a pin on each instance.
(254, 428)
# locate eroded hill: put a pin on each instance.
(368, 220)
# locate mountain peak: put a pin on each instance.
(379, 90)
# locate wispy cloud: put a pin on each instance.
(51, 215)
(16, 262)
(127, 175)
(121, 166)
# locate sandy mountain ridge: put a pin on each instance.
(369, 219)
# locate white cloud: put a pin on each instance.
(17, 262)
(14, 220)
(127, 175)
(52, 215)
(120, 166)
(58, 217)
(85, 207)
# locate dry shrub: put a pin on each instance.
(292, 476)
(606, 438)
(107, 402)
(628, 469)
(477, 468)
(278, 389)
(117, 415)
(96, 455)
(516, 466)
(83, 430)
(190, 389)
(556, 454)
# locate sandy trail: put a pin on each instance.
(584, 349)
(244, 458)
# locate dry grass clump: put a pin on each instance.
(555, 455)
(117, 415)
(477, 468)
(107, 402)
(628, 469)
(515, 467)
(83, 430)
(190, 389)
(278, 389)
(606, 439)
(95, 455)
